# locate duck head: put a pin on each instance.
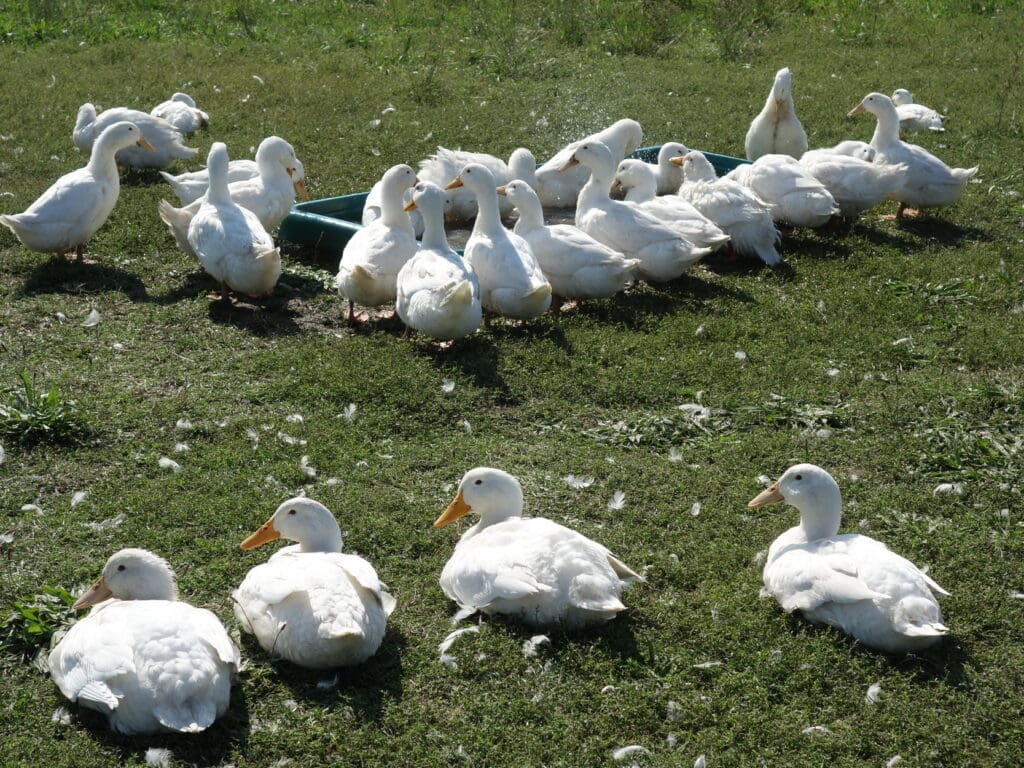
(475, 177)
(629, 133)
(696, 167)
(132, 574)
(595, 156)
(494, 495)
(638, 175)
(782, 88)
(814, 492)
(274, 151)
(304, 520)
(429, 198)
(902, 96)
(877, 104)
(121, 135)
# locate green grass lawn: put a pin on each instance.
(890, 355)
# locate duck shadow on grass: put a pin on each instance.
(144, 177)
(476, 357)
(210, 748)
(364, 688)
(615, 638)
(915, 234)
(60, 275)
(947, 661)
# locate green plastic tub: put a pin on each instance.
(328, 223)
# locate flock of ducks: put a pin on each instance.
(150, 662)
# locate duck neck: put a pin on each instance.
(488, 219)
(642, 190)
(597, 187)
(392, 212)
(887, 127)
(102, 159)
(531, 215)
(820, 518)
(434, 237)
(323, 540)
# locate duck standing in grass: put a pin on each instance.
(663, 252)
(776, 129)
(229, 240)
(368, 271)
(71, 211)
(639, 182)
(511, 280)
(531, 568)
(165, 140)
(270, 195)
(438, 293)
(792, 194)
(191, 186)
(848, 581)
(927, 182)
(576, 265)
(310, 603)
(731, 206)
(143, 658)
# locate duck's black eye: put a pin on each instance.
(120, 567)
(478, 482)
(291, 511)
(799, 477)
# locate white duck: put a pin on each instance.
(664, 254)
(270, 195)
(916, 117)
(371, 260)
(576, 265)
(180, 111)
(928, 182)
(638, 180)
(438, 293)
(189, 187)
(309, 603)
(75, 206)
(849, 581)
(793, 195)
(855, 183)
(668, 176)
(229, 240)
(532, 568)
(146, 660)
(859, 150)
(165, 140)
(445, 164)
(736, 209)
(776, 129)
(511, 280)
(558, 188)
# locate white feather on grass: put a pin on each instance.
(3, 455)
(183, 424)
(78, 497)
(893, 761)
(530, 647)
(617, 501)
(447, 386)
(348, 413)
(447, 659)
(182, 447)
(695, 509)
(171, 464)
(674, 455)
(103, 525)
(816, 729)
(700, 762)
(289, 440)
(624, 753)
(872, 696)
(707, 665)
(61, 716)
(294, 418)
(578, 483)
(32, 508)
(158, 757)
(253, 436)
(91, 320)
(304, 467)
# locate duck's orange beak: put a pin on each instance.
(766, 497)
(458, 508)
(856, 110)
(97, 593)
(265, 533)
(454, 183)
